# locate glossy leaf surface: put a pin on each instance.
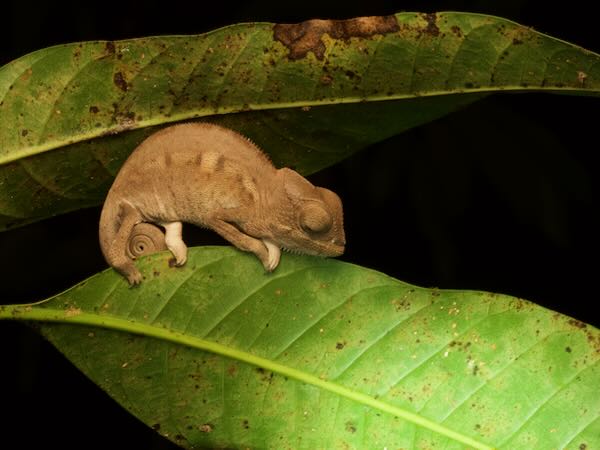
(324, 354)
(310, 94)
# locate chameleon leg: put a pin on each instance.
(274, 254)
(174, 242)
(263, 250)
(117, 256)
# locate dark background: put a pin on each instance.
(499, 197)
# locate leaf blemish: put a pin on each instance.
(432, 28)
(456, 30)
(577, 323)
(110, 48)
(302, 38)
(206, 428)
(119, 80)
(72, 311)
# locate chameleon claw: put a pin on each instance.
(274, 255)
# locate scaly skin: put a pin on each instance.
(213, 177)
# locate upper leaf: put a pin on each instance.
(323, 354)
(71, 114)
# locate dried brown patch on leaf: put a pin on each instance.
(431, 27)
(457, 31)
(119, 80)
(109, 47)
(302, 38)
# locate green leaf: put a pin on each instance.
(310, 94)
(324, 354)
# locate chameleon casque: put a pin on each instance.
(215, 178)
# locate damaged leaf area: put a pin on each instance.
(217, 354)
(305, 37)
(71, 114)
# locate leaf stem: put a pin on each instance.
(36, 313)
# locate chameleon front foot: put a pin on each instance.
(129, 271)
(175, 243)
(273, 257)
(135, 278)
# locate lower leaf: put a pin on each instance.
(324, 354)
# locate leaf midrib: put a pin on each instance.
(33, 313)
(34, 150)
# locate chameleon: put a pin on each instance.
(213, 177)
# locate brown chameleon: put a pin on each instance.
(215, 178)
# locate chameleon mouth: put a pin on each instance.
(337, 251)
(322, 251)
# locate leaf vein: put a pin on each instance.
(271, 278)
(379, 338)
(316, 321)
(248, 39)
(544, 402)
(59, 96)
(501, 370)
(578, 432)
(178, 286)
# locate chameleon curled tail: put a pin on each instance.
(145, 239)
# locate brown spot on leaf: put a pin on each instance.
(302, 38)
(456, 30)
(94, 109)
(110, 48)
(594, 340)
(24, 133)
(339, 345)
(26, 75)
(206, 428)
(432, 27)
(577, 323)
(326, 79)
(120, 82)
(72, 311)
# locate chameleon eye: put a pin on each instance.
(315, 219)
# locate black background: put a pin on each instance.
(500, 197)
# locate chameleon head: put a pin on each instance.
(311, 218)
